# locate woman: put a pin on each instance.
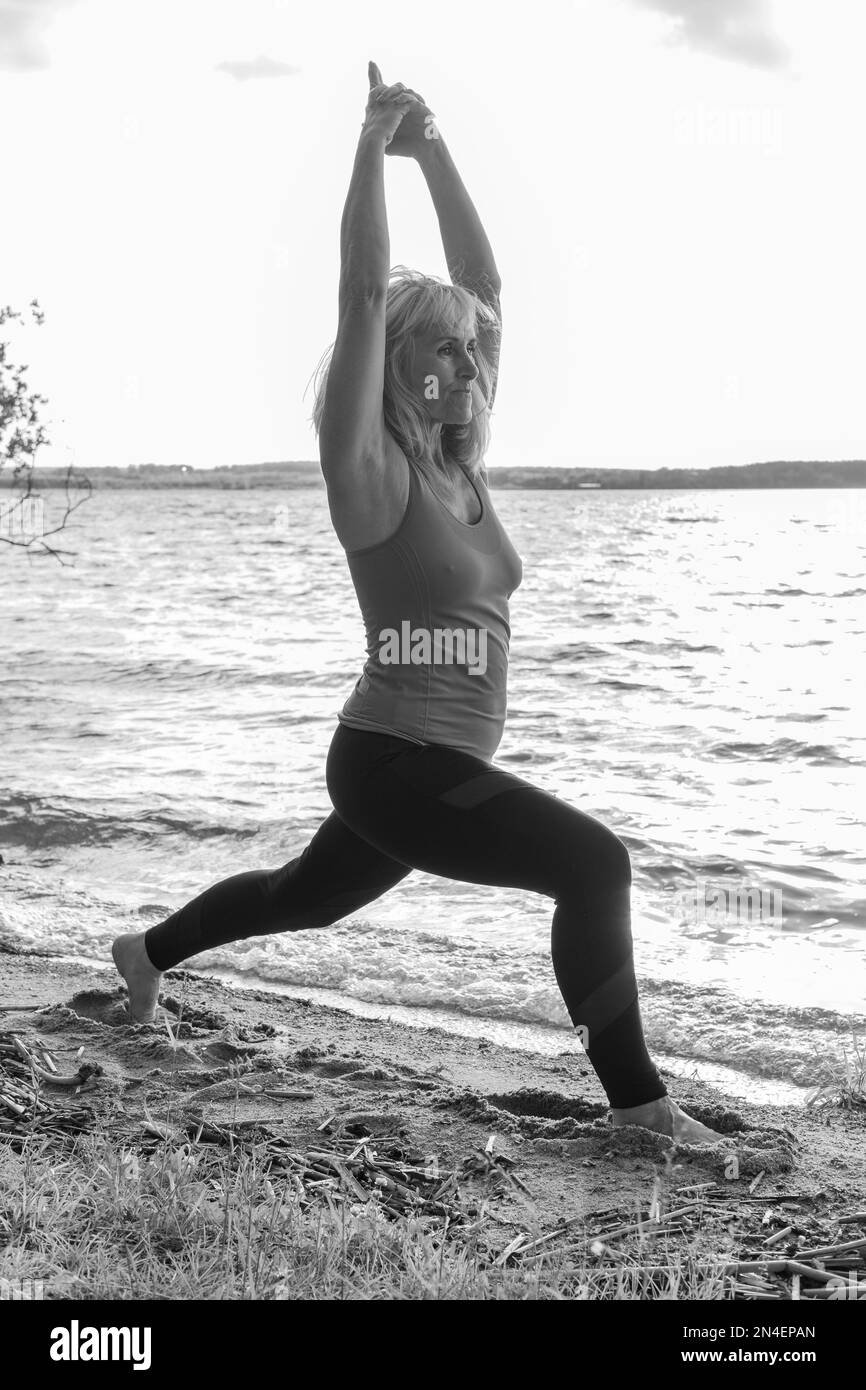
(402, 410)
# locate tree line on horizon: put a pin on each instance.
(780, 473)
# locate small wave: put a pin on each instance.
(37, 823)
(816, 642)
(186, 674)
(398, 963)
(474, 979)
(580, 651)
(615, 684)
(642, 644)
(780, 750)
(815, 593)
(667, 648)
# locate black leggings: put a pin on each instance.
(401, 806)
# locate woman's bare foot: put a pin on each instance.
(664, 1116)
(142, 978)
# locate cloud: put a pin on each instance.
(739, 30)
(246, 68)
(22, 22)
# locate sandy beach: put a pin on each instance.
(528, 1134)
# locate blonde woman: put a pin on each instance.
(402, 411)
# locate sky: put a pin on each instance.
(670, 188)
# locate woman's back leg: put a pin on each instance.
(337, 874)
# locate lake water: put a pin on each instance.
(686, 666)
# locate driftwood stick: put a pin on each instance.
(741, 1267)
(331, 1161)
(821, 1250)
(780, 1235)
(12, 1105)
(54, 1077)
(738, 1267)
(645, 1224)
(818, 1275)
(857, 1291)
(518, 1182)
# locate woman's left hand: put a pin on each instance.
(416, 131)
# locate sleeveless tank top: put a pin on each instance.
(434, 599)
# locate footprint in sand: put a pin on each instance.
(354, 1072)
(546, 1105)
(225, 1051)
(101, 1006)
(105, 1016)
(549, 1115)
(203, 1021)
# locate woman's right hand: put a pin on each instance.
(386, 106)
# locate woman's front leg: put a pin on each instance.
(448, 813)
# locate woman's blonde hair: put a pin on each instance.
(418, 304)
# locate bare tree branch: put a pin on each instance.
(22, 434)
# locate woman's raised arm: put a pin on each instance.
(352, 429)
(468, 252)
(467, 249)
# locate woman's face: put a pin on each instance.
(444, 371)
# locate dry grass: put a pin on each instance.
(846, 1087)
(165, 1210)
(106, 1221)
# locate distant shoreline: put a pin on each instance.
(845, 473)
